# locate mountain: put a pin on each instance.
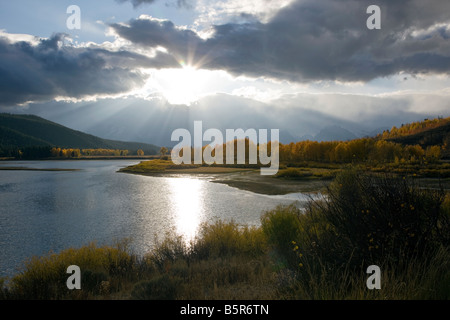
(153, 120)
(428, 136)
(334, 133)
(19, 131)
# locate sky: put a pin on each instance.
(295, 65)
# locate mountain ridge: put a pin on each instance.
(439, 135)
(21, 131)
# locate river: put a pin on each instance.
(43, 211)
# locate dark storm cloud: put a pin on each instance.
(154, 33)
(51, 69)
(315, 40)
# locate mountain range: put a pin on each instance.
(154, 124)
(153, 120)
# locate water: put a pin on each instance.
(43, 211)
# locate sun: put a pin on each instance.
(183, 85)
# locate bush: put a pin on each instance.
(382, 218)
(171, 249)
(281, 227)
(364, 219)
(92, 280)
(160, 288)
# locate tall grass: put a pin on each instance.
(223, 239)
(225, 261)
(45, 277)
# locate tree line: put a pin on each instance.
(76, 153)
(44, 152)
(376, 150)
(358, 150)
(354, 151)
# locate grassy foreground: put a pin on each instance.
(321, 252)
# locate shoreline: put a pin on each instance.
(248, 179)
(34, 169)
(243, 179)
(251, 179)
(150, 157)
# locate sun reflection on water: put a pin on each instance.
(187, 195)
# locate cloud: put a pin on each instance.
(221, 12)
(303, 41)
(52, 68)
(137, 3)
(310, 40)
(151, 32)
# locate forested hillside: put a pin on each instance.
(417, 127)
(427, 140)
(29, 132)
(425, 134)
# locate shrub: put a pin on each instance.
(281, 227)
(363, 219)
(91, 280)
(165, 253)
(160, 288)
(381, 218)
(226, 239)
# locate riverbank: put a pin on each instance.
(322, 253)
(243, 178)
(312, 177)
(150, 157)
(270, 185)
(34, 169)
(249, 180)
